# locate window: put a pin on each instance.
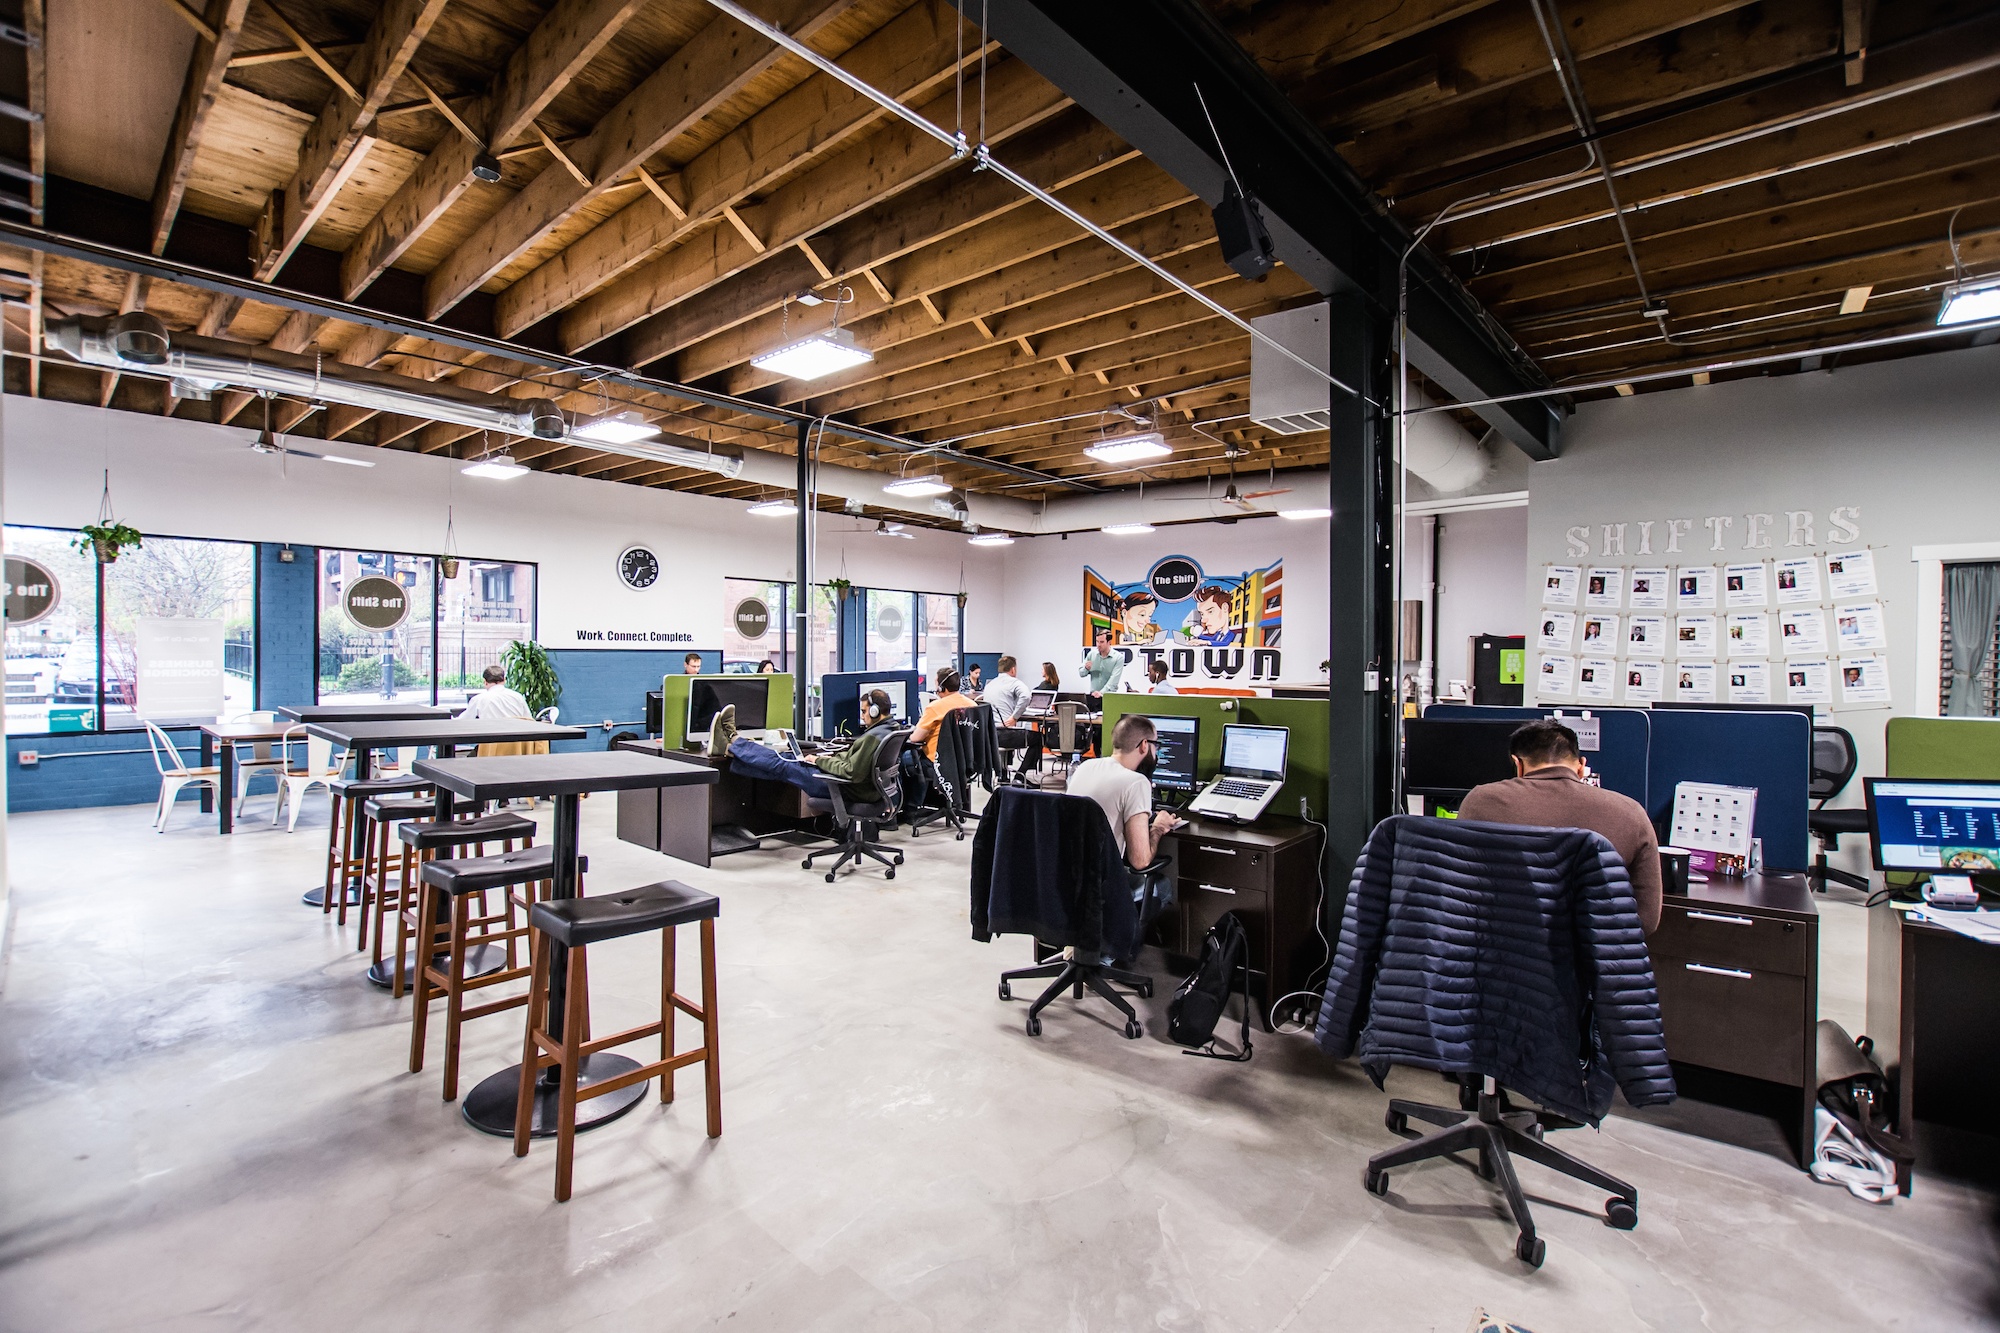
(891, 633)
(746, 641)
(450, 631)
(1978, 585)
(937, 621)
(184, 599)
(488, 606)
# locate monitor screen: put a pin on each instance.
(1255, 752)
(709, 695)
(1934, 824)
(899, 703)
(655, 712)
(1444, 755)
(1174, 768)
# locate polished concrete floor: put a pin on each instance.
(206, 1123)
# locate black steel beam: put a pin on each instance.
(1135, 64)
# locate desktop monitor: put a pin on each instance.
(656, 712)
(1255, 752)
(1174, 766)
(899, 703)
(1451, 756)
(709, 695)
(1939, 824)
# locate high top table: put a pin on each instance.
(383, 712)
(563, 778)
(364, 736)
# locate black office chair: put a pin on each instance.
(858, 817)
(946, 794)
(1833, 762)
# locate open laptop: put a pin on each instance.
(1253, 768)
(1041, 703)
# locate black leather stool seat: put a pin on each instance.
(463, 832)
(471, 874)
(578, 921)
(379, 808)
(360, 787)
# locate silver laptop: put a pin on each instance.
(1253, 768)
(1041, 703)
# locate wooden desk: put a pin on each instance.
(1737, 964)
(1934, 994)
(1268, 874)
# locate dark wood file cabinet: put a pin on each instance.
(1268, 874)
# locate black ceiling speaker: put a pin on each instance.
(1245, 240)
(486, 167)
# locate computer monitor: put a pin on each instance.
(1255, 752)
(656, 712)
(1174, 766)
(1451, 756)
(899, 703)
(1941, 824)
(709, 695)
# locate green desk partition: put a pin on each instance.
(1307, 761)
(1943, 747)
(674, 702)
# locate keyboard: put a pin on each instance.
(1240, 788)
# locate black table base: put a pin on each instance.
(316, 896)
(489, 1107)
(482, 960)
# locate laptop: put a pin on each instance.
(1253, 768)
(1041, 703)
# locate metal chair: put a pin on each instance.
(1833, 762)
(858, 817)
(261, 763)
(175, 774)
(321, 768)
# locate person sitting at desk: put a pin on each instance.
(496, 700)
(1007, 695)
(973, 679)
(949, 700)
(1156, 672)
(1548, 791)
(1121, 784)
(855, 764)
(691, 664)
(1050, 680)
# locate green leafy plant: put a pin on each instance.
(532, 674)
(839, 587)
(107, 539)
(365, 674)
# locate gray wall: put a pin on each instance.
(1912, 445)
(1480, 555)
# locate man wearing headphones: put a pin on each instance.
(855, 764)
(949, 700)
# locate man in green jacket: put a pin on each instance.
(855, 764)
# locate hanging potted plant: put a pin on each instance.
(107, 536)
(839, 588)
(448, 562)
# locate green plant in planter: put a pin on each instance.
(532, 675)
(107, 540)
(839, 587)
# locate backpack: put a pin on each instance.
(1199, 1003)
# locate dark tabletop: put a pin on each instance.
(1775, 892)
(512, 776)
(441, 731)
(367, 712)
(246, 731)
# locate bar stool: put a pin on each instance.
(379, 814)
(576, 923)
(348, 794)
(423, 841)
(461, 881)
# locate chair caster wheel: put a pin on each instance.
(899, 858)
(1035, 1026)
(1375, 1182)
(1006, 991)
(1530, 1250)
(1146, 991)
(890, 873)
(805, 865)
(1396, 1122)
(958, 837)
(1468, 1098)
(829, 877)
(1620, 1215)
(1132, 1029)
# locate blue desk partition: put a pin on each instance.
(1624, 739)
(1769, 751)
(840, 697)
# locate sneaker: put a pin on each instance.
(722, 731)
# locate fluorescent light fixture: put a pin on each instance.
(810, 358)
(916, 488)
(1305, 513)
(351, 462)
(1130, 448)
(621, 428)
(1965, 302)
(1126, 529)
(990, 539)
(500, 467)
(773, 509)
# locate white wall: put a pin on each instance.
(1481, 554)
(187, 479)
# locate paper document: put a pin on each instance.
(1981, 925)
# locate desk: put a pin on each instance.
(231, 735)
(732, 812)
(563, 778)
(1934, 1014)
(1268, 874)
(1737, 965)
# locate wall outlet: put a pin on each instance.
(30, 758)
(1305, 810)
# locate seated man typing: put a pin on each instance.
(855, 764)
(1548, 791)
(1121, 784)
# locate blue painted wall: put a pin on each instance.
(603, 683)
(287, 631)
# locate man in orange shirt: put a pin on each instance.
(949, 700)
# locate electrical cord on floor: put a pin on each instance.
(1309, 998)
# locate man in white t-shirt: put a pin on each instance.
(1121, 784)
(496, 700)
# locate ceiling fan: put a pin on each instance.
(268, 441)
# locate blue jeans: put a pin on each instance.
(760, 761)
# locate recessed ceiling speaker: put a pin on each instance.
(1240, 230)
(486, 167)
(138, 337)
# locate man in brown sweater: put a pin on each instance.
(1548, 791)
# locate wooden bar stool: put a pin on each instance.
(380, 814)
(343, 866)
(446, 903)
(422, 841)
(571, 925)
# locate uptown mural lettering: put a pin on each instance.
(1800, 528)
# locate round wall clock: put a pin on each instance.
(638, 567)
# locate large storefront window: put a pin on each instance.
(756, 624)
(937, 623)
(890, 641)
(392, 628)
(488, 606)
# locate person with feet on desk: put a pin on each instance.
(855, 764)
(1548, 791)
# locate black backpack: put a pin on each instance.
(1199, 1003)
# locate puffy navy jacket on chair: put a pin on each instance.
(1502, 951)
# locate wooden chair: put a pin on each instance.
(175, 774)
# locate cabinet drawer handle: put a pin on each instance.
(1718, 971)
(1219, 851)
(1722, 917)
(1217, 888)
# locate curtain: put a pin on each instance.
(1973, 594)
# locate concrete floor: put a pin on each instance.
(206, 1124)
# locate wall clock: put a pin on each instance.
(638, 567)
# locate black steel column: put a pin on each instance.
(802, 596)
(1360, 592)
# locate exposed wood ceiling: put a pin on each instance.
(670, 182)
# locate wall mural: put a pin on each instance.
(1204, 626)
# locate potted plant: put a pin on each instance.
(532, 674)
(839, 588)
(448, 562)
(107, 539)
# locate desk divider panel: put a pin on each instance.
(840, 698)
(1769, 751)
(1307, 761)
(674, 692)
(1625, 739)
(1943, 747)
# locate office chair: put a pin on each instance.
(945, 778)
(1833, 763)
(857, 816)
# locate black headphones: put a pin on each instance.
(948, 680)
